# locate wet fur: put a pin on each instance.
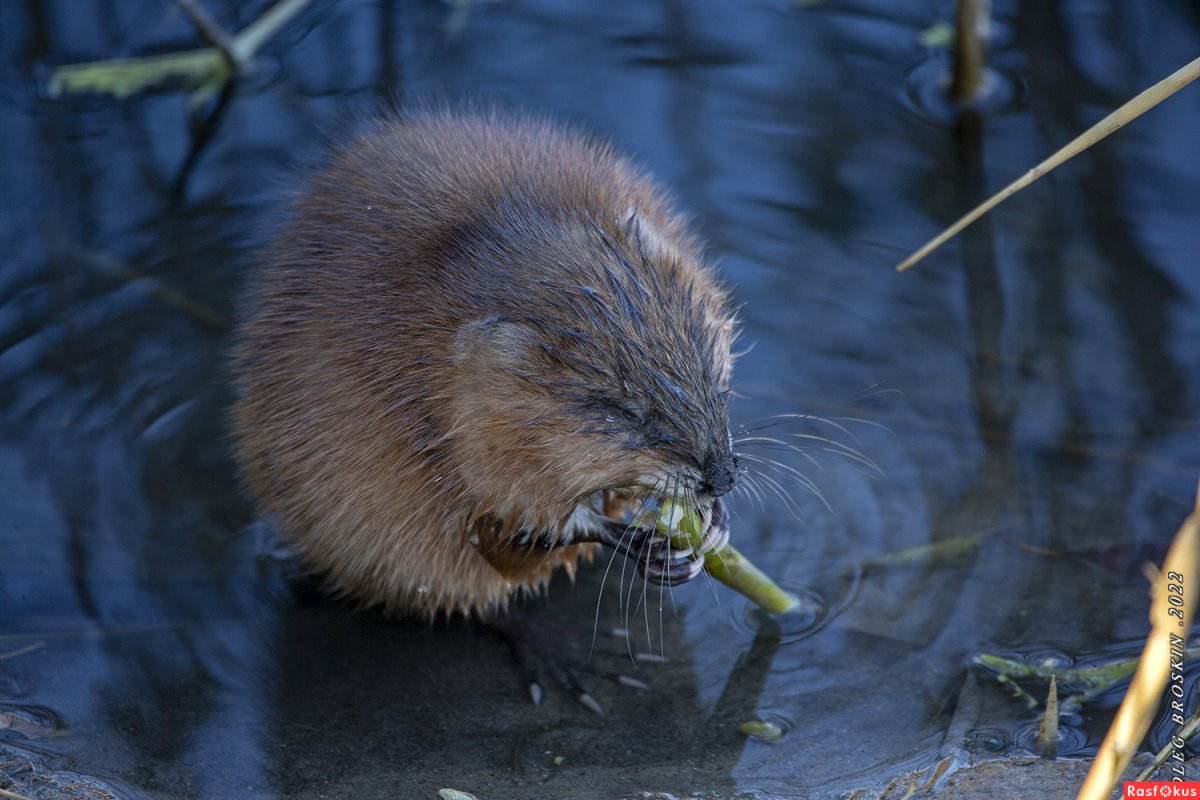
(473, 323)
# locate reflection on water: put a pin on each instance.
(1030, 393)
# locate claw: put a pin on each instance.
(590, 702)
(539, 645)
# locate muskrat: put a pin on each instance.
(479, 333)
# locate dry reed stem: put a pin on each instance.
(204, 69)
(972, 20)
(1170, 625)
(1139, 105)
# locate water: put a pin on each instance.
(1034, 385)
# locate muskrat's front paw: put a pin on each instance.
(540, 645)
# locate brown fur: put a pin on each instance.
(473, 323)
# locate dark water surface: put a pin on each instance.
(1035, 385)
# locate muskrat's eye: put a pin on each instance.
(623, 411)
(633, 414)
(629, 412)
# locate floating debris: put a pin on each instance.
(761, 729)
(455, 794)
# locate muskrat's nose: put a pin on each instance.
(718, 474)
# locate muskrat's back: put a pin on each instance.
(472, 325)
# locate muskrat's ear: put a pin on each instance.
(493, 341)
(653, 244)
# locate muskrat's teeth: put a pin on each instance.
(715, 539)
(719, 514)
(715, 519)
(666, 565)
(656, 558)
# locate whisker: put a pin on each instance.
(711, 582)
(843, 422)
(772, 440)
(753, 490)
(826, 441)
(873, 390)
(783, 468)
(741, 490)
(821, 444)
(604, 581)
(786, 469)
(788, 501)
(869, 467)
(804, 452)
(645, 598)
(777, 420)
(672, 494)
(839, 423)
(664, 589)
(630, 608)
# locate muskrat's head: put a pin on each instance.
(612, 374)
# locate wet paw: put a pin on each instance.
(545, 647)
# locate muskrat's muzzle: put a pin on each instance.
(657, 559)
